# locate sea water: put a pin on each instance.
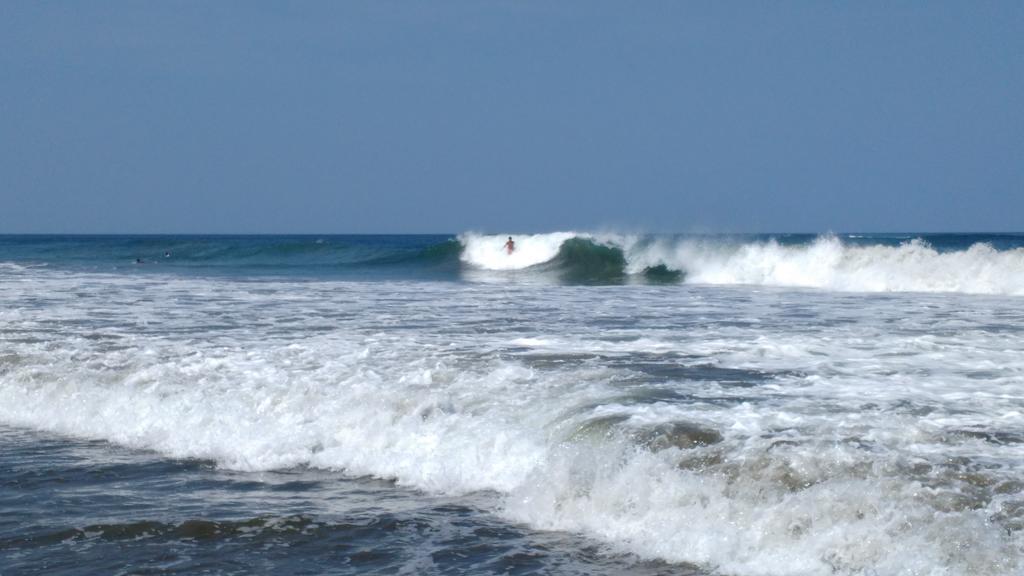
(590, 404)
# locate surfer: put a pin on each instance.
(510, 246)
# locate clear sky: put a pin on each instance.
(352, 117)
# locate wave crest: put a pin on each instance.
(824, 262)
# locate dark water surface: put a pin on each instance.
(87, 507)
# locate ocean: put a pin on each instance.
(593, 403)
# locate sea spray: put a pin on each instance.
(967, 264)
(823, 262)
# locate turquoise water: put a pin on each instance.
(437, 257)
(240, 255)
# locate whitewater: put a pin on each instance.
(827, 262)
(592, 403)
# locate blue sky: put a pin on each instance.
(352, 117)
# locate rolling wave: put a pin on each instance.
(746, 448)
(981, 264)
(824, 262)
(286, 252)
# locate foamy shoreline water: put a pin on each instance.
(746, 431)
(742, 429)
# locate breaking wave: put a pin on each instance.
(969, 264)
(747, 451)
(672, 431)
(825, 262)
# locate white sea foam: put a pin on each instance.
(844, 433)
(826, 263)
(487, 252)
(12, 267)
